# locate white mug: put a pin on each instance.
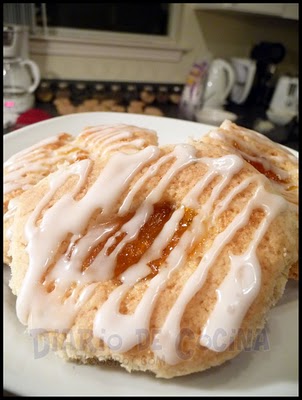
(20, 74)
(20, 79)
(221, 79)
(245, 70)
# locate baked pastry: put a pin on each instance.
(22, 171)
(28, 167)
(268, 157)
(103, 140)
(165, 259)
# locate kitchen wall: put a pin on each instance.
(240, 32)
(224, 35)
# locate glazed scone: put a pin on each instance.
(164, 259)
(28, 167)
(270, 158)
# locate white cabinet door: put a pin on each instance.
(262, 8)
(291, 11)
(284, 10)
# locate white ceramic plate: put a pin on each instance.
(269, 370)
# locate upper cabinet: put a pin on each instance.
(281, 10)
(291, 11)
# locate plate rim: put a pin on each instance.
(15, 133)
(101, 113)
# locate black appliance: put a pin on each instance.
(267, 55)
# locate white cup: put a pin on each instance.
(220, 81)
(245, 70)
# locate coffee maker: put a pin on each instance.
(15, 41)
(266, 55)
(21, 76)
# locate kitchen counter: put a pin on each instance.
(248, 116)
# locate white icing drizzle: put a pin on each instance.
(110, 137)
(58, 221)
(229, 126)
(37, 158)
(267, 161)
(43, 241)
(25, 168)
(107, 321)
(242, 284)
(14, 180)
(288, 184)
(36, 148)
(136, 144)
(12, 208)
(45, 310)
(236, 293)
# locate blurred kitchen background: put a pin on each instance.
(199, 61)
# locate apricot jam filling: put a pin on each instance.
(268, 173)
(132, 251)
(183, 225)
(260, 168)
(96, 250)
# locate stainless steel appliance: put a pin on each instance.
(284, 105)
(286, 95)
(21, 76)
(15, 41)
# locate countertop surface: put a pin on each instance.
(248, 117)
(81, 95)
